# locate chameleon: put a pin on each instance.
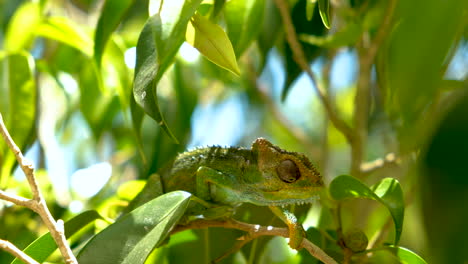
(222, 178)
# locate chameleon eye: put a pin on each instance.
(288, 171)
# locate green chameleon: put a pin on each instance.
(223, 178)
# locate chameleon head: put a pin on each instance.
(285, 177)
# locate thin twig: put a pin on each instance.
(18, 200)
(372, 166)
(256, 231)
(299, 58)
(367, 52)
(37, 203)
(10, 248)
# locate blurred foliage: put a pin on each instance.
(99, 92)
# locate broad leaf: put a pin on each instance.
(413, 60)
(64, 30)
(388, 192)
(17, 104)
(22, 26)
(243, 20)
(132, 238)
(44, 246)
(111, 15)
(324, 10)
(211, 40)
(157, 46)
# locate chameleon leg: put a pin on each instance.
(296, 231)
(206, 176)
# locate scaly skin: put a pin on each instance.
(264, 175)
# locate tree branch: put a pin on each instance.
(37, 203)
(367, 52)
(10, 248)
(18, 200)
(254, 231)
(299, 58)
(370, 167)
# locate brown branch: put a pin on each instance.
(37, 203)
(367, 52)
(254, 231)
(299, 58)
(10, 248)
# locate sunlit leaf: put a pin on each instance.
(17, 104)
(115, 74)
(64, 30)
(324, 10)
(211, 40)
(388, 192)
(97, 106)
(111, 15)
(243, 20)
(310, 7)
(157, 46)
(132, 238)
(130, 189)
(21, 28)
(405, 255)
(44, 246)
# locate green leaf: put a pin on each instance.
(22, 26)
(269, 31)
(64, 30)
(114, 68)
(97, 106)
(132, 238)
(157, 46)
(324, 10)
(44, 246)
(388, 192)
(111, 15)
(17, 104)
(310, 7)
(405, 255)
(243, 21)
(211, 40)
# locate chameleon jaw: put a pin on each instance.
(286, 202)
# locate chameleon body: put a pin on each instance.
(264, 175)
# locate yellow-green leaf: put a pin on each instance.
(310, 6)
(21, 28)
(324, 10)
(211, 40)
